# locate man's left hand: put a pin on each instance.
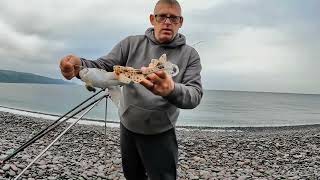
(159, 83)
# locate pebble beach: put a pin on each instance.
(291, 152)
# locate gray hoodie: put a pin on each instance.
(140, 110)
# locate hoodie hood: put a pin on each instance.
(179, 40)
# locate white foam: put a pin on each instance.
(97, 123)
(52, 117)
(208, 130)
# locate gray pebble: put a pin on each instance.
(13, 167)
(117, 161)
(12, 173)
(6, 167)
(257, 154)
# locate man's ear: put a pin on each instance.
(152, 19)
(181, 22)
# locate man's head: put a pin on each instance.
(166, 20)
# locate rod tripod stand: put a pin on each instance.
(58, 122)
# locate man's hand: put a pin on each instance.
(70, 66)
(159, 83)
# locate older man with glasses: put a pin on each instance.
(149, 110)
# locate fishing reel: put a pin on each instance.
(90, 88)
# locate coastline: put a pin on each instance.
(85, 153)
(112, 123)
(53, 117)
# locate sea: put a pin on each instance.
(217, 109)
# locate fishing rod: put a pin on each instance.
(49, 128)
(94, 103)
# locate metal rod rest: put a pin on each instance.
(58, 137)
(105, 129)
(44, 131)
(58, 124)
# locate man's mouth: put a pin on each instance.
(167, 31)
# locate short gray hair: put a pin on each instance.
(170, 2)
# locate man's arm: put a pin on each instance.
(185, 95)
(70, 65)
(115, 57)
(188, 93)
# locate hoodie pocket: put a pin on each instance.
(148, 120)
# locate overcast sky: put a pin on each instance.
(253, 45)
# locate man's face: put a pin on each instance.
(165, 28)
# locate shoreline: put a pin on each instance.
(86, 153)
(90, 121)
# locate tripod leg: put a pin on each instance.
(105, 129)
(58, 137)
(45, 130)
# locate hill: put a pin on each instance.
(7, 76)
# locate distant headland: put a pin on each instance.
(8, 76)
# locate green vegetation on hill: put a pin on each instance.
(7, 76)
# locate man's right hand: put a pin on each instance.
(70, 66)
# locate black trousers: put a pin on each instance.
(149, 156)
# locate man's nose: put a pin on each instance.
(167, 21)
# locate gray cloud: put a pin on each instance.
(245, 44)
(259, 13)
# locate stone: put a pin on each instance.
(193, 177)
(14, 167)
(6, 167)
(117, 161)
(205, 174)
(12, 173)
(2, 157)
(213, 155)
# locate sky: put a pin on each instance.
(246, 45)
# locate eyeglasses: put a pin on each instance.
(161, 18)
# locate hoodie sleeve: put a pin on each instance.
(115, 57)
(188, 93)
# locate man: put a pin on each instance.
(148, 111)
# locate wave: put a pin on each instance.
(114, 123)
(98, 122)
(53, 117)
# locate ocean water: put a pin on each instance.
(217, 109)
